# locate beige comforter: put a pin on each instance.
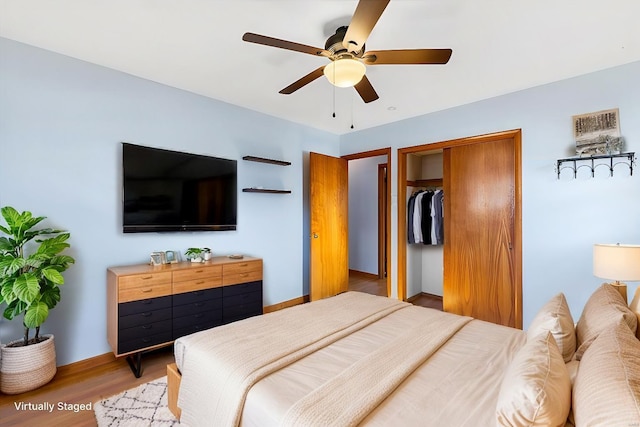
(393, 340)
(223, 363)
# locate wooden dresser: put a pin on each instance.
(150, 306)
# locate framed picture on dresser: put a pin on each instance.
(170, 257)
(157, 258)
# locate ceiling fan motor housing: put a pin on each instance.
(335, 46)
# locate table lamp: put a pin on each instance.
(618, 263)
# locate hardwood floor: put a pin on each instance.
(104, 376)
(363, 283)
(93, 384)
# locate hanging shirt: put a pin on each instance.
(410, 210)
(438, 217)
(417, 218)
(426, 220)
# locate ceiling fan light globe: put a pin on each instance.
(345, 72)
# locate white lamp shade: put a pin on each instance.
(345, 72)
(617, 262)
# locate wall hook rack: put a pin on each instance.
(592, 162)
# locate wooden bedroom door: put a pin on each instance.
(480, 269)
(329, 252)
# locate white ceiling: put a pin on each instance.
(499, 46)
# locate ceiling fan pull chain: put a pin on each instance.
(351, 109)
(334, 94)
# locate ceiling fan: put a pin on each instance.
(346, 50)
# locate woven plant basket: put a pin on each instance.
(27, 368)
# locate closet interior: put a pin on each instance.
(425, 229)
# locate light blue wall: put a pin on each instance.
(61, 124)
(363, 213)
(62, 121)
(562, 219)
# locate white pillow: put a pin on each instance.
(603, 310)
(536, 389)
(555, 317)
(607, 388)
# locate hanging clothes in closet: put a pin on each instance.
(425, 217)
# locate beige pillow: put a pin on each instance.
(555, 317)
(607, 388)
(634, 306)
(536, 389)
(604, 309)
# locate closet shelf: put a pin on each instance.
(592, 162)
(425, 183)
(265, 190)
(264, 160)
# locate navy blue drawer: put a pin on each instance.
(195, 296)
(144, 305)
(145, 330)
(246, 298)
(242, 311)
(198, 307)
(195, 323)
(143, 342)
(144, 318)
(241, 288)
(193, 329)
(194, 319)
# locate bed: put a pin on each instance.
(358, 359)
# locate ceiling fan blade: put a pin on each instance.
(364, 19)
(284, 44)
(366, 91)
(407, 56)
(303, 81)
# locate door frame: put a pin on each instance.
(374, 153)
(383, 224)
(516, 135)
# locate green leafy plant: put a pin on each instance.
(31, 264)
(193, 253)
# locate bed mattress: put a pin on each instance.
(457, 385)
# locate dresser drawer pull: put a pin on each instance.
(198, 316)
(146, 340)
(146, 301)
(200, 282)
(147, 314)
(147, 326)
(243, 265)
(199, 271)
(146, 277)
(146, 291)
(198, 304)
(198, 293)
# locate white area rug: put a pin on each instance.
(145, 405)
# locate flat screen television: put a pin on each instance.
(172, 191)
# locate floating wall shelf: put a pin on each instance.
(265, 190)
(263, 160)
(269, 161)
(575, 163)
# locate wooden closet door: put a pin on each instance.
(329, 202)
(479, 209)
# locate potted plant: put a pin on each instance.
(194, 254)
(207, 253)
(31, 263)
